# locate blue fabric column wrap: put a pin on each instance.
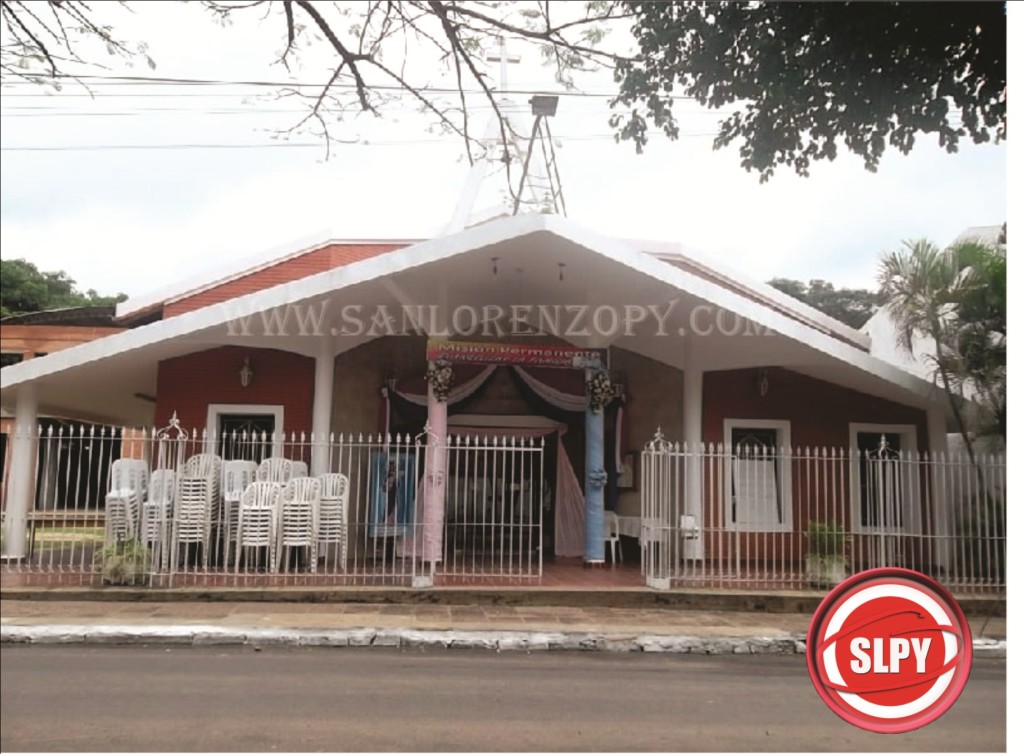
(595, 479)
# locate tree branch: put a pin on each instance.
(349, 59)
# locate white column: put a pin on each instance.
(22, 476)
(938, 449)
(436, 479)
(693, 414)
(323, 394)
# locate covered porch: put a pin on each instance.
(694, 353)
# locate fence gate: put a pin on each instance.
(661, 490)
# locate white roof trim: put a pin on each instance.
(754, 310)
(762, 291)
(445, 247)
(236, 269)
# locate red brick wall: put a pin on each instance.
(819, 413)
(189, 384)
(319, 260)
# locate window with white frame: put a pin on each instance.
(758, 491)
(245, 431)
(881, 475)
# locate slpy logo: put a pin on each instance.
(889, 650)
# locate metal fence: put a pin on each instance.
(166, 508)
(792, 518)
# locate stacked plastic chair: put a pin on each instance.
(274, 469)
(129, 479)
(198, 494)
(237, 476)
(258, 521)
(333, 530)
(157, 512)
(300, 517)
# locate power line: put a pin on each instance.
(298, 145)
(100, 80)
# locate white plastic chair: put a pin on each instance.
(274, 469)
(298, 524)
(299, 469)
(203, 465)
(334, 516)
(129, 479)
(257, 521)
(155, 528)
(235, 478)
(198, 493)
(688, 527)
(611, 534)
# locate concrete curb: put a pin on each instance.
(728, 600)
(529, 641)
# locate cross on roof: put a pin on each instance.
(492, 175)
(502, 56)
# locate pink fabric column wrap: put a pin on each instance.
(436, 479)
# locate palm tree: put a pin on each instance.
(923, 288)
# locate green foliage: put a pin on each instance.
(954, 298)
(24, 288)
(851, 306)
(826, 539)
(981, 335)
(125, 562)
(799, 79)
(807, 77)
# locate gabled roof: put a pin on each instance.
(610, 270)
(729, 277)
(236, 269)
(667, 251)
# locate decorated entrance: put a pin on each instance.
(455, 372)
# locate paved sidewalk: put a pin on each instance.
(532, 627)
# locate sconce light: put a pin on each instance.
(762, 382)
(561, 272)
(245, 373)
(494, 265)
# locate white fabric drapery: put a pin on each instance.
(569, 498)
(457, 394)
(569, 505)
(554, 396)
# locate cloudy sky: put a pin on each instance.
(138, 186)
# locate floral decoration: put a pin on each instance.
(439, 375)
(600, 391)
(598, 478)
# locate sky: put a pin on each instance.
(209, 180)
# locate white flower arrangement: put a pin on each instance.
(600, 391)
(439, 375)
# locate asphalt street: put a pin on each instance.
(241, 698)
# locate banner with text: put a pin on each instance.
(521, 354)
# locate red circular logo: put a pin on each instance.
(889, 650)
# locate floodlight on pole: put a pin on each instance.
(544, 105)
